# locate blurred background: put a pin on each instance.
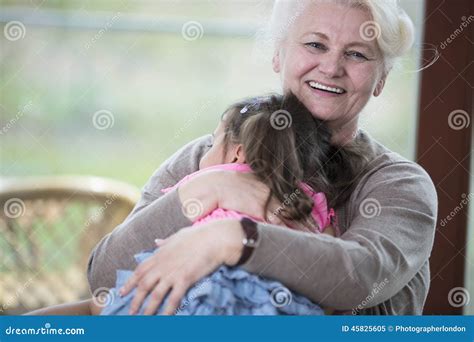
(112, 88)
(153, 85)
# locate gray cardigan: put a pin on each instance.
(379, 265)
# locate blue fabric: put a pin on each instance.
(227, 291)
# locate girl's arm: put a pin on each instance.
(82, 308)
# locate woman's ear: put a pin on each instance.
(238, 154)
(379, 87)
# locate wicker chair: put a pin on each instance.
(48, 227)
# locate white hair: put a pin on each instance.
(390, 26)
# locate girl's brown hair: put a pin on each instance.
(285, 145)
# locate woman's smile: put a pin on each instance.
(325, 90)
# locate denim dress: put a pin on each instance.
(226, 291)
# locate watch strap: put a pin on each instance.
(249, 241)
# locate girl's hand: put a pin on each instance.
(230, 190)
(183, 259)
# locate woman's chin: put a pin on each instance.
(325, 113)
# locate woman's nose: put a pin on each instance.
(330, 64)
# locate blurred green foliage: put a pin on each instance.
(161, 89)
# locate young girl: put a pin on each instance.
(277, 139)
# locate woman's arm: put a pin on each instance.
(375, 258)
(371, 262)
(156, 215)
(159, 216)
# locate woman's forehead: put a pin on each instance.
(334, 20)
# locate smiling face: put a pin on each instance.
(325, 62)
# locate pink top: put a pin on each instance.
(321, 213)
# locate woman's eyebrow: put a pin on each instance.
(360, 44)
(319, 34)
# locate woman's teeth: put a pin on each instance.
(320, 86)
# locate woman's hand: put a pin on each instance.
(183, 259)
(231, 190)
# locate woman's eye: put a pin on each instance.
(316, 45)
(357, 55)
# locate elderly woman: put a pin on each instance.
(333, 55)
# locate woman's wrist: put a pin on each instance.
(228, 235)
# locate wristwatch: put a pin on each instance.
(250, 241)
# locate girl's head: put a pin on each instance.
(275, 122)
(349, 45)
(282, 142)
